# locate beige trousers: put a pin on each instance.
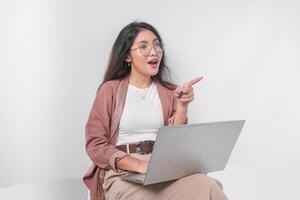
(193, 187)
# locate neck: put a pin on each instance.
(140, 81)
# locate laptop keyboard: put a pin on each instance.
(135, 176)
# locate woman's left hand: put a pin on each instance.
(185, 93)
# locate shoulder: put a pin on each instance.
(109, 87)
(106, 92)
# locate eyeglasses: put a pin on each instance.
(145, 49)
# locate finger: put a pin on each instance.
(178, 95)
(187, 95)
(187, 90)
(178, 89)
(194, 81)
(186, 100)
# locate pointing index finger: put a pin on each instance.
(194, 81)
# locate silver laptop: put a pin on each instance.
(182, 150)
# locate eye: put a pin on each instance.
(143, 47)
(158, 45)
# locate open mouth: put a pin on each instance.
(153, 62)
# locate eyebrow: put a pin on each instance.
(144, 41)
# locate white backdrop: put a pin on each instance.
(53, 54)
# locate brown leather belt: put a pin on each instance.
(144, 147)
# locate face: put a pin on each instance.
(146, 65)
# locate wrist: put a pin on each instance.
(181, 108)
(142, 166)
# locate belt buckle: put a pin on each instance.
(139, 148)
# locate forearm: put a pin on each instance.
(130, 163)
(181, 114)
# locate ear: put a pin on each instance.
(128, 58)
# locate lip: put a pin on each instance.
(152, 60)
(155, 64)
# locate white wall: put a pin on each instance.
(53, 55)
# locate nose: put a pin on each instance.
(153, 51)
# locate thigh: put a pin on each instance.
(196, 186)
(116, 188)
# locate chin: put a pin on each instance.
(154, 73)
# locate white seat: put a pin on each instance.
(89, 197)
(274, 181)
(61, 189)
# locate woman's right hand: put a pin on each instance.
(143, 165)
(133, 164)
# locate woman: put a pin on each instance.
(131, 103)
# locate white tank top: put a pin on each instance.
(142, 115)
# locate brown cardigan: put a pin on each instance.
(102, 129)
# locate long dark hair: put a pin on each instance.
(117, 66)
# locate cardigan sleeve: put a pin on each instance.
(97, 130)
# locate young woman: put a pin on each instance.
(132, 102)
